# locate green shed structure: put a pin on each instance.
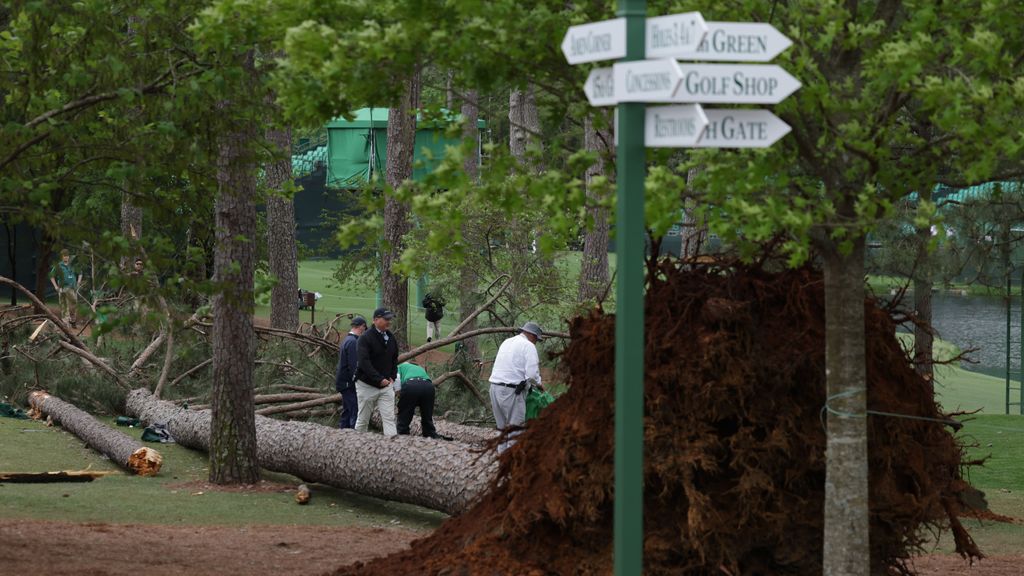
(357, 148)
(346, 155)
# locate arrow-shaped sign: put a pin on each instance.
(646, 80)
(605, 40)
(738, 42)
(673, 126)
(741, 129)
(674, 35)
(734, 84)
(600, 87)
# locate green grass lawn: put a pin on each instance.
(29, 446)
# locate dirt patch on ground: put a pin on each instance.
(734, 446)
(62, 548)
(263, 487)
(947, 565)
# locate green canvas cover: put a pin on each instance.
(351, 157)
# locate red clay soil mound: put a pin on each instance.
(735, 449)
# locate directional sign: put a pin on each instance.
(596, 41)
(734, 84)
(673, 126)
(646, 80)
(741, 129)
(737, 42)
(674, 35)
(600, 87)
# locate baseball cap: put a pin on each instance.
(383, 313)
(358, 321)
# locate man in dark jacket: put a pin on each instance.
(345, 376)
(434, 306)
(376, 371)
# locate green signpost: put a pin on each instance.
(631, 166)
(629, 85)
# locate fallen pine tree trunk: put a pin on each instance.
(51, 477)
(443, 476)
(125, 451)
(460, 432)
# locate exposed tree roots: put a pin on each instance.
(734, 446)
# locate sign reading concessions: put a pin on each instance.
(735, 84)
(741, 129)
(600, 87)
(675, 35)
(595, 42)
(738, 42)
(673, 126)
(646, 80)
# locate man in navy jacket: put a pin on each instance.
(344, 380)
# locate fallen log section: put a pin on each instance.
(50, 477)
(125, 451)
(444, 476)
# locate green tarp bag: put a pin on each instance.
(536, 401)
(12, 411)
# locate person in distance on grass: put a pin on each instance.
(434, 305)
(65, 281)
(414, 388)
(515, 367)
(345, 375)
(376, 371)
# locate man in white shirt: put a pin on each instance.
(516, 364)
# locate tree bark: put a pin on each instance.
(460, 432)
(398, 169)
(847, 549)
(440, 475)
(468, 277)
(694, 232)
(594, 268)
(282, 250)
(524, 121)
(131, 227)
(923, 339)
(122, 450)
(233, 433)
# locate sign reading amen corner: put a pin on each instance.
(665, 37)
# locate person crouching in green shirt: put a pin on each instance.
(65, 281)
(415, 389)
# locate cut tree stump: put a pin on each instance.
(121, 449)
(443, 476)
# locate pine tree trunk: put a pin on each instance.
(401, 147)
(232, 436)
(131, 225)
(524, 122)
(923, 339)
(124, 451)
(468, 276)
(847, 550)
(694, 232)
(594, 268)
(281, 244)
(445, 476)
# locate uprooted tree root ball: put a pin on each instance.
(735, 448)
